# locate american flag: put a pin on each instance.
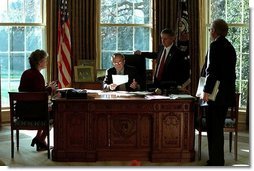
(182, 40)
(64, 46)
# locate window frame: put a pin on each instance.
(100, 25)
(240, 54)
(25, 25)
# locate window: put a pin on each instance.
(125, 26)
(22, 30)
(236, 14)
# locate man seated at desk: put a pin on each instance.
(120, 68)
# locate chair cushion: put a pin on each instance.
(229, 123)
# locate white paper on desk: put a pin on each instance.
(120, 79)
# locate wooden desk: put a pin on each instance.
(119, 129)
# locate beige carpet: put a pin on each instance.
(27, 156)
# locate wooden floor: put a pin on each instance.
(28, 156)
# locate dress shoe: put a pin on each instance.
(34, 141)
(214, 163)
(41, 146)
(44, 148)
(38, 148)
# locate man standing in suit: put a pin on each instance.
(120, 68)
(172, 66)
(219, 65)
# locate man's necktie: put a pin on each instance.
(161, 66)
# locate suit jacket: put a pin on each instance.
(176, 69)
(128, 70)
(222, 62)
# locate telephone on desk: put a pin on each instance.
(72, 93)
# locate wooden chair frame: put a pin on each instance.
(231, 125)
(39, 118)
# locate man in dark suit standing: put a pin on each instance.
(219, 65)
(120, 68)
(172, 65)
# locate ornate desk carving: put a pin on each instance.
(124, 129)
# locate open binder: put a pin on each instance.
(201, 85)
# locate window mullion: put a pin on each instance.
(17, 50)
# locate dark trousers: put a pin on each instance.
(215, 122)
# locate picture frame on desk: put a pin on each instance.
(84, 73)
(100, 75)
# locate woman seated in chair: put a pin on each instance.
(33, 81)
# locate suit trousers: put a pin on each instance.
(215, 119)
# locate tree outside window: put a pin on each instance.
(125, 26)
(236, 14)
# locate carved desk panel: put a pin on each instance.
(124, 129)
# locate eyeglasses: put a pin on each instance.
(117, 63)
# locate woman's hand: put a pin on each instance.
(53, 85)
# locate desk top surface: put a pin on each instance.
(124, 95)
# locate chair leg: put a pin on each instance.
(199, 144)
(230, 142)
(48, 139)
(17, 138)
(235, 144)
(12, 144)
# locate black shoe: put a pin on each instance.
(208, 163)
(214, 163)
(34, 141)
(41, 146)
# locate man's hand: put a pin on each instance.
(204, 96)
(112, 86)
(137, 52)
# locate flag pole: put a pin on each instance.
(178, 20)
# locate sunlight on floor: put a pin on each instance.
(32, 133)
(203, 133)
(240, 165)
(245, 150)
